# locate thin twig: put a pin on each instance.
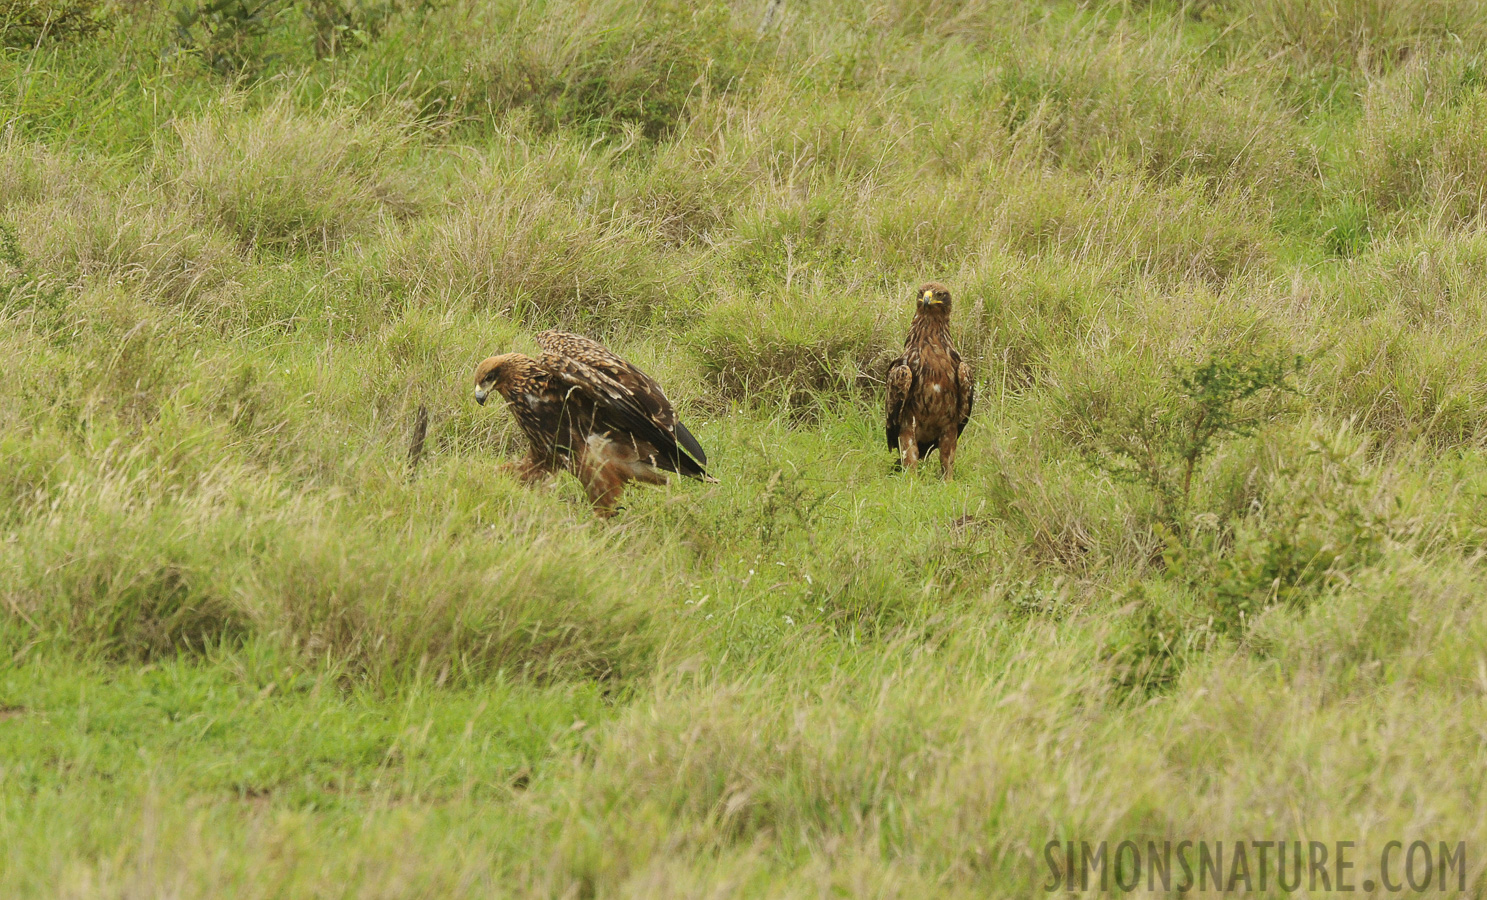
(770, 10)
(416, 441)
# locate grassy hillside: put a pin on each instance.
(1211, 567)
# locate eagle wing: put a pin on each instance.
(900, 382)
(967, 385)
(629, 399)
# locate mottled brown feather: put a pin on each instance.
(587, 411)
(609, 379)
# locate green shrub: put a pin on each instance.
(25, 23)
(1162, 628)
(1159, 439)
(341, 25)
(1319, 519)
(229, 36)
(246, 39)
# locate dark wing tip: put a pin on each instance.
(689, 443)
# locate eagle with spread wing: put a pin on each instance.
(930, 391)
(589, 412)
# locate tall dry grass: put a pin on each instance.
(224, 301)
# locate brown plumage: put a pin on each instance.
(930, 391)
(588, 412)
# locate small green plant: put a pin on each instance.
(19, 288)
(1319, 522)
(1160, 442)
(1347, 230)
(1162, 628)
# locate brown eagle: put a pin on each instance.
(930, 391)
(591, 413)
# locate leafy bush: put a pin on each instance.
(1161, 439)
(1161, 629)
(228, 36)
(1318, 522)
(25, 23)
(1319, 519)
(243, 39)
(341, 25)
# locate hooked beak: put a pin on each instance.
(929, 298)
(480, 395)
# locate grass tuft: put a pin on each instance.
(285, 181)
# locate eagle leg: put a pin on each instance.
(947, 452)
(908, 449)
(527, 471)
(604, 484)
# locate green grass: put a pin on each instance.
(246, 650)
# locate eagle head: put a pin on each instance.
(934, 297)
(495, 373)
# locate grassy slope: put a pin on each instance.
(249, 655)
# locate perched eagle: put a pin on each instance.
(589, 412)
(930, 390)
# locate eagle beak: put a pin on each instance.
(480, 396)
